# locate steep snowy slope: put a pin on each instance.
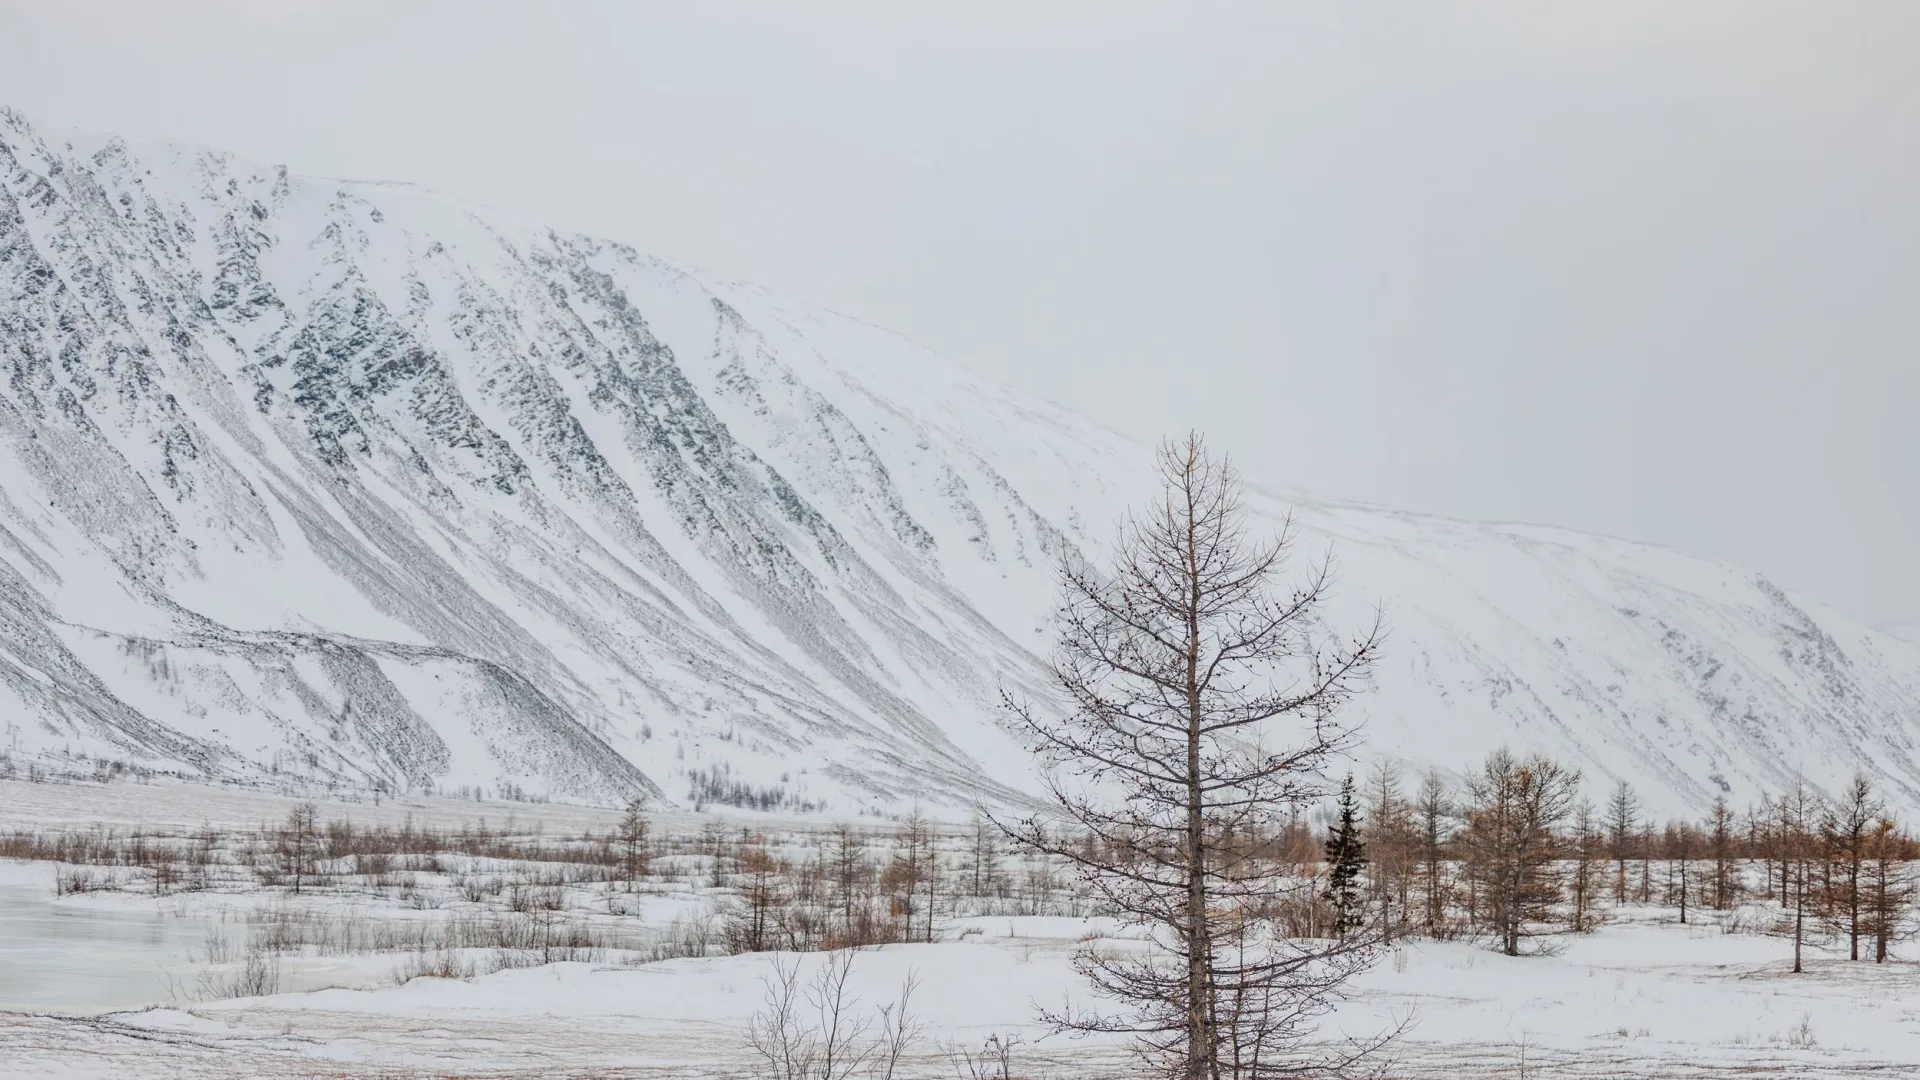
(349, 481)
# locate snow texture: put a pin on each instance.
(354, 483)
(1645, 998)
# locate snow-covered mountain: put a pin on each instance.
(1904, 629)
(348, 481)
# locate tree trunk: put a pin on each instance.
(1200, 1049)
(1799, 917)
(1683, 891)
(1853, 906)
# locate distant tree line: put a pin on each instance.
(1515, 853)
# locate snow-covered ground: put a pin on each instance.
(315, 486)
(1643, 996)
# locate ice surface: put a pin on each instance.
(1643, 998)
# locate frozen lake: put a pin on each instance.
(105, 952)
(88, 955)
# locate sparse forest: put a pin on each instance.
(1506, 858)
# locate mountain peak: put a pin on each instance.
(343, 483)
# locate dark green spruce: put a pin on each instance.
(1346, 856)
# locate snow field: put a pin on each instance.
(359, 964)
(1639, 999)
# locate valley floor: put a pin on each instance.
(1641, 997)
(1631, 1000)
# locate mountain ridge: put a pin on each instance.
(348, 483)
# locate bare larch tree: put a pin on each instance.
(1200, 706)
(1721, 839)
(1512, 845)
(1797, 812)
(1623, 808)
(633, 832)
(1889, 885)
(1434, 812)
(1845, 830)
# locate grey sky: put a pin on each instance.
(1651, 270)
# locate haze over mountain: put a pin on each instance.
(351, 482)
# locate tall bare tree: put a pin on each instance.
(1586, 846)
(1199, 705)
(755, 922)
(847, 872)
(1679, 844)
(1644, 844)
(633, 833)
(1389, 849)
(1888, 884)
(1720, 844)
(1512, 846)
(912, 877)
(1433, 814)
(297, 845)
(1845, 829)
(1623, 809)
(981, 867)
(1796, 813)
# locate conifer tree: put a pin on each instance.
(1346, 857)
(1512, 842)
(1202, 704)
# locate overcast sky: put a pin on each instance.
(1649, 270)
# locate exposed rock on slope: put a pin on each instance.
(348, 481)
